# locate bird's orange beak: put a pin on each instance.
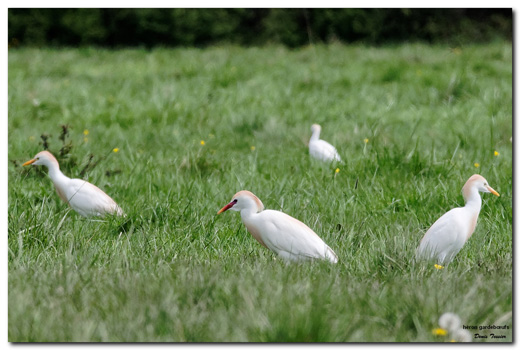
(493, 191)
(226, 207)
(29, 162)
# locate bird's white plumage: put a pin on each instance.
(82, 196)
(320, 149)
(446, 237)
(291, 239)
(288, 237)
(88, 200)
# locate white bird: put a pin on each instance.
(85, 198)
(450, 232)
(320, 149)
(291, 239)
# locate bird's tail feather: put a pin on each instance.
(330, 255)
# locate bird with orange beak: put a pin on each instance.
(291, 239)
(82, 196)
(321, 149)
(450, 232)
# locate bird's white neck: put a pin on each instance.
(56, 175)
(247, 213)
(315, 135)
(473, 200)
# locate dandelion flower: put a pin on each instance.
(496, 154)
(457, 51)
(438, 267)
(450, 321)
(85, 132)
(476, 165)
(337, 170)
(202, 143)
(463, 335)
(439, 331)
(115, 150)
(253, 148)
(365, 140)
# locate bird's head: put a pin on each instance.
(243, 200)
(315, 128)
(43, 158)
(479, 183)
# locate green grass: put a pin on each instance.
(175, 271)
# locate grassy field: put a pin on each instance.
(193, 126)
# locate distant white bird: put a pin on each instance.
(451, 231)
(85, 198)
(321, 149)
(291, 239)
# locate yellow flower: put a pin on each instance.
(365, 140)
(85, 132)
(438, 267)
(337, 170)
(439, 331)
(497, 154)
(253, 148)
(202, 143)
(453, 341)
(476, 165)
(115, 150)
(457, 51)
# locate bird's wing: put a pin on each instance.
(442, 235)
(323, 150)
(88, 199)
(286, 234)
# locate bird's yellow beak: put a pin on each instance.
(29, 162)
(493, 191)
(226, 207)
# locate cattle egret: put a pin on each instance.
(451, 231)
(291, 239)
(82, 196)
(320, 149)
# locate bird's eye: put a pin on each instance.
(37, 158)
(236, 200)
